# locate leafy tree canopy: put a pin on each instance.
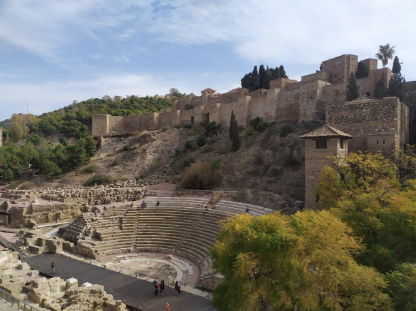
(261, 79)
(352, 88)
(362, 71)
(364, 191)
(299, 262)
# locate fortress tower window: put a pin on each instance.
(335, 75)
(368, 94)
(320, 144)
(192, 120)
(341, 144)
(377, 142)
(384, 142)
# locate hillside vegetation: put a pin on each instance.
(40, 144)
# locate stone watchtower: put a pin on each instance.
(320, 144)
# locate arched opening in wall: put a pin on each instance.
(320, 144)
(206, 118)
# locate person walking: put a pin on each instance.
(52, 268)
(176, 288)
(162, 286)
(179, 287)
(156, 288)
(158, 203)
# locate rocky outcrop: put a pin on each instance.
(53, 294)
(277, 202)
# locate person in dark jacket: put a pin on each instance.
(157, 286)
(162, 286)
(52, 268)
(176, 288)
(158, 203)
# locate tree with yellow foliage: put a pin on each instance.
(366, 193)
(18, 126)
(299, 262)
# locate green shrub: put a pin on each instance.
(190, 145)
(201, 140)
(285, 130)
(249, 143)
(309, 126)
(274, 149)
(91, 169)
(140, 177)
(165, 128)
(126, 148)
(295, 168)
(201, 176)
(188, 126)
(213, 140)
(188, 161)
(99, 179)
(212, 128)
(250, 132)
(259, 125)
(225, 150)
(63, 141)
(207, 148)
(116, 162)
(188, 107)
(290, 160)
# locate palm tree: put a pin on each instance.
(386, 53)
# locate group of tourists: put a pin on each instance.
(161, 286)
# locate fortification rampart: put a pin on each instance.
(286, 100)
(374, 124)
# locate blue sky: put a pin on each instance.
(53, 52)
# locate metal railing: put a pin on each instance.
(16, 302)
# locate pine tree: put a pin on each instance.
(396, 83)
(246, 81)
(380, 89)
(282, 72)
(352, 88)
(232, 119)
(362, 71)
(276, 74)
(262, 74)
(255, 79)
(397, 67)
(235, 136)
(266, 80)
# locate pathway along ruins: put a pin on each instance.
(137, 294)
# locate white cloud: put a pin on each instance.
(270, 31)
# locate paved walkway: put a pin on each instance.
(134, 292)
(5, 306)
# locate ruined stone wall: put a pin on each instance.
(288, 106)
(241, 112)
(386, 117)
(376, 76)
(286, 100)
(339, 68)
(320, 75)
(371, 63)
(115, 125)
(100, 124)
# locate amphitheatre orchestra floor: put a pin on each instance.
(134, 292)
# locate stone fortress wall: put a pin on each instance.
(286, 101)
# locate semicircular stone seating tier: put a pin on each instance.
(179, 225)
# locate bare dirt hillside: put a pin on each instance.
(272, 161)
